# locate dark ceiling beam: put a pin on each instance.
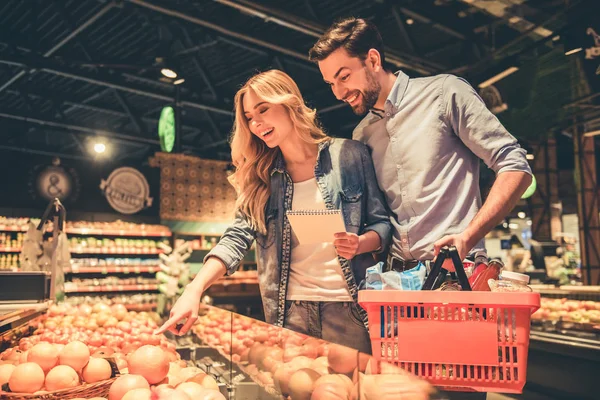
(63, 42)
(55, 68)
(72, 105)
(184, 37)
(86, 100)
(216, 132)
(310, 28)
(84, 47)
(311, 9)
(28, 150)
(278, 63)
(403, 30)
(77, 128)
(137, 123)
(197, 48)
(78, 142)
(440, 27)
(215, 144)
(495, 55)
(218, 28)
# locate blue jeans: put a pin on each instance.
(335, 322)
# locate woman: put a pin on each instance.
(284, 161)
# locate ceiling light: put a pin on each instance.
(410, 21)
(505, 225)
(521, 215)
(99, 147)
(513, 226)
(498, 77)
(169, 73)
(574, 51)
(179, 81)
(530, 156)
(556, 38)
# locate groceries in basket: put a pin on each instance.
(510, 282)
(411, 279)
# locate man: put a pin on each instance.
(426, 136)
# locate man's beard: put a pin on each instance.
(369, 95)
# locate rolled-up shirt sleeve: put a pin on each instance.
(479, 129)
(234, 244)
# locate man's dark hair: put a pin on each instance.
(356, 35)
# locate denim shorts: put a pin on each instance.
(335, 322)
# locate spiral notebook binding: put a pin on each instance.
(313, 212)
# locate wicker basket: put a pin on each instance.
(88, 390)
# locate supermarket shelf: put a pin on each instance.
(101, 250)
(116, 232)
(92, 251)
(10, 249)
(100, 232)
(112, 288)
(111, 269)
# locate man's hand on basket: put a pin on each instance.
(459, 241)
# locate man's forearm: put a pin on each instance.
(504, 195)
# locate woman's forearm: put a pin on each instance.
(368, 242)
(212, 271)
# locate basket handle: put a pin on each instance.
(437, 275)
(54, 208)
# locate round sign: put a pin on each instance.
(127, 190)
(166, 129)
(531, 189)
(54, 182)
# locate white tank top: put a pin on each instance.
(315, 271)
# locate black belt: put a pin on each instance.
(396, 264)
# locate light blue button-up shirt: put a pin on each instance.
(426, 146)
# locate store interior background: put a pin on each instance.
(83, 84)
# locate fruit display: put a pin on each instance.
(577, 311)
(75, 346)
(287, 363)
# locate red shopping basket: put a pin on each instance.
(457, 340)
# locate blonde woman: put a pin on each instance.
(284, 161)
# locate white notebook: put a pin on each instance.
(316, 226)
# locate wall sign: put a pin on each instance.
(54, 181)
(126, 190)
(531, 189)
(166, 129)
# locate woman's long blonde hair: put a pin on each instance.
(252, 158)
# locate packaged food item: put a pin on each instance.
(479, 265)
(510, 282)
(412, 279)
(492, 271)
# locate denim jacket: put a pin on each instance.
(346, 177)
